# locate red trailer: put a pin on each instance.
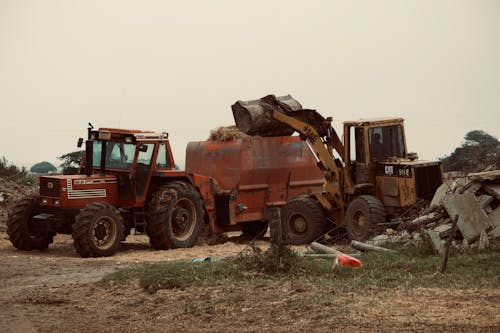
(239, 179)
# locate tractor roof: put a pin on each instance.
(119, 133)
(374, 121)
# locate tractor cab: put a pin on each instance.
(129, 155)
(378, 162)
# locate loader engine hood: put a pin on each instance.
(74, 191)
(425, 176)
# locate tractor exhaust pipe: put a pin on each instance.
(89, 151)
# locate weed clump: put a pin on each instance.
(278, 259)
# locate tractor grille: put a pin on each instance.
(427, 178)
(49, 187)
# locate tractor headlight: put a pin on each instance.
(57, 202)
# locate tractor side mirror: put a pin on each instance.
(143, 148)
(80, 143)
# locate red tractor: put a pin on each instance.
(129, 180)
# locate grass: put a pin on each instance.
(474, 269)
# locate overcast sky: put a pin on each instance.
(179, 65)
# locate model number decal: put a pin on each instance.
(394, 171)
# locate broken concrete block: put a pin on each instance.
(424, 219)
(487, 175)
(472, 187)
(483, 240)
(494, 216)
(471, 218)
(444, 230)
(438, 195)
(495, 233)
(437, 243)
(492, 189)
(484, 200)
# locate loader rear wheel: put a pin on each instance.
(175, 216)
(24, 232)
(363, 217)
(303, 221)
(98, 230)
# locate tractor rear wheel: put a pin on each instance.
(175, 216)
(363, 217)
(303, 221)
(98, 230)
(23, 230)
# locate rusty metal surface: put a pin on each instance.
(255, 173)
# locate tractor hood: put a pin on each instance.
(71, 191)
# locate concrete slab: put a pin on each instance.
(436, 241)
(495, 216)
(444, 230)
(471, 218)
(495, 233)
(492, 189)
(439, 195)
(486, 175)
(471, 188)
(484, 200)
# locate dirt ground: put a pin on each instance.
(55, 291)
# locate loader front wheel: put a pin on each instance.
(98, 230)
(363, 216)
(303, 221)
(24, 231)
(175, 216)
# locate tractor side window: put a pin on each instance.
(163, 160)
(143, 167)
(96, 156)
(357, 144)
(145, 153)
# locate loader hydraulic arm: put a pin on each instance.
(323, 148)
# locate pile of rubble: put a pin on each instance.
(474, 201)
(10, 192)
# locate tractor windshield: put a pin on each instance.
(119, 155)
(386, 141)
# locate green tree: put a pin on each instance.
(71, 162)
(43, 167)
(479, 151)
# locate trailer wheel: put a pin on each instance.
(254, 229)
(303, 221)
(175, 216)
(98, 230)
(24, 233)
(363, 216)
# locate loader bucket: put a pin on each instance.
(255, 117)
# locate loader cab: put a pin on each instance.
(371, 141)
(130, 155)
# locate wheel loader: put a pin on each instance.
(369, 175)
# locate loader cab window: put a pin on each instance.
(163, 159)
(385, 142)
(357, 144)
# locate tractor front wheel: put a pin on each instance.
(303, 221)
(175, 216)
(24, 231)
(98, 230)
(363, 217)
